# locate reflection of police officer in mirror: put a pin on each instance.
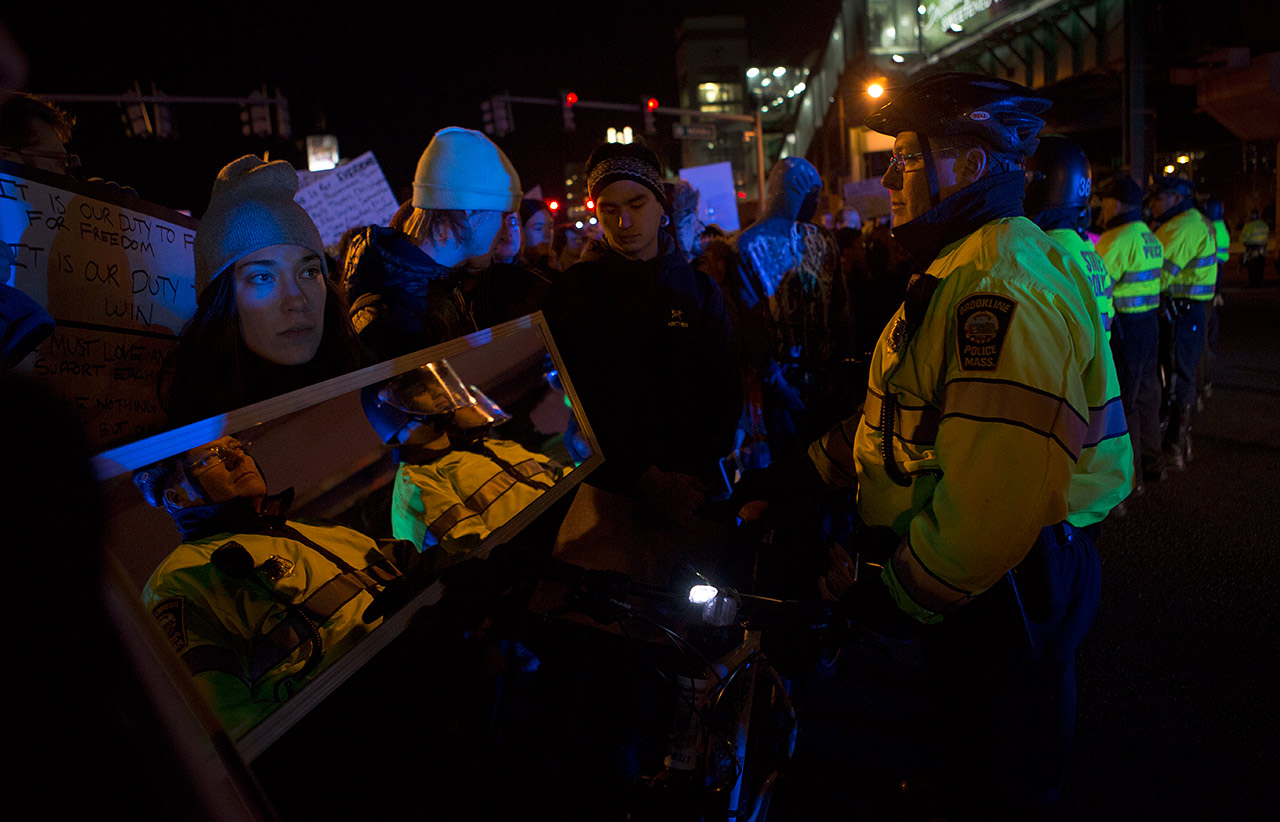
(456, 483)
(256, 604)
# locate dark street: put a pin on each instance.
(1178, 710)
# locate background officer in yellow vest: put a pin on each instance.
(1254, 237)
(1134, 259)
(1190, 267)
(992, 439)
(1213, 213)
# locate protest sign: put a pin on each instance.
(118, 275)
(350, 195)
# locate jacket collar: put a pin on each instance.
(961, 214)
(236, 516)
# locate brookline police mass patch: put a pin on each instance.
(982, 321)
(170, 616)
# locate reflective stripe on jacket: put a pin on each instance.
(459, 498)
(1134, 259)
(1190, 257)
(1007, 416)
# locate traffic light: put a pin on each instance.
(567, 101)
(495, 113)
(255, 118)
(650, 106)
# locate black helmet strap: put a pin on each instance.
(931, 170)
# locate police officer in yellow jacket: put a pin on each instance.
(1190, 268)
(992, 439)
(1134, 259)
(1253, 235)
(456, 483)
(1059, 182)
(255, 604)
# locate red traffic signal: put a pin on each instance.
(651, 104)
(554, 205)
(570, 98)
(591, 205)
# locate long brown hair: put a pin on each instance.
(211, 371)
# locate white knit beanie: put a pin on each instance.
(463, 170)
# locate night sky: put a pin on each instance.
(382, 79)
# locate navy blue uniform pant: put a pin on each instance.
(1135, 344)
(1188, 345)
(1007, 686)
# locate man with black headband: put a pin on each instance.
(647, 342)
(991, 444)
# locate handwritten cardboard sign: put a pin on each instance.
(118, 275)
(353, 194)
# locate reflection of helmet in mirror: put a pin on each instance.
(433, 390)
(427, 391)
(487, 408)
(1000, 112)
(167, 485)
(1058, 176)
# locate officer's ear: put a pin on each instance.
(970, 165)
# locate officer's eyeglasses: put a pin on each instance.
(898, 161)
(216, 455)
(69, 162)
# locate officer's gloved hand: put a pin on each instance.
(867, 603)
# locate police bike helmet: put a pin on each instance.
(1058, 176)
(1213, 208)
(1000, 113)
(432, 391)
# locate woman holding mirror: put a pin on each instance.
(268, 320)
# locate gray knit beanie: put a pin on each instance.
(251, 207)
(463, 170)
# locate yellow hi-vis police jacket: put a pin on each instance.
(1008, 418)
(1190, 257)
(1095, 272)
(459, 498)
(251, 643)
(1134, 259)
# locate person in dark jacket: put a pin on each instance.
(647, 342)
(401, 282)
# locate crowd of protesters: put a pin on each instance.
(699, 355)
